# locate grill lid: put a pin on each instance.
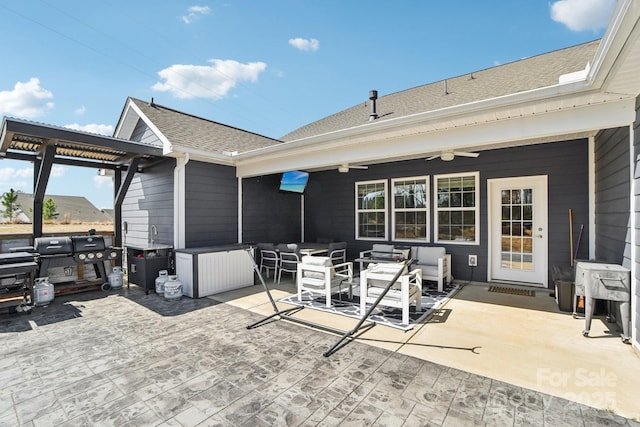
(53, 245)
(90, 243)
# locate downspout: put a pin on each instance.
(240, 239)
(179, 189)
(302, 217)
(633, 266)
(592, 197)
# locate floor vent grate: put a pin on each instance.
(513, 291)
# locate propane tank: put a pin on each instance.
(163, 275)
(172, 288)
(43, 291)
(116, 278)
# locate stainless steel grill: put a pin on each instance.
(609, 282)
(90, 249)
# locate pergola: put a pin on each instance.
(46, 145)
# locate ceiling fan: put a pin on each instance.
(448, 155)
(344, 168)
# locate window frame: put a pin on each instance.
(476, 208)
(426, 209)
(385, 184)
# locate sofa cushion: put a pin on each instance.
(386, 268)
(381, 251)
(321, 261)
(428, 271)
(316, 261)
(428, 255)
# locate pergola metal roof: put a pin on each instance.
(25, 140)
(45, 145)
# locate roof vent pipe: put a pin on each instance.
(373, 95)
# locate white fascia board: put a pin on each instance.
(166, 145)
(199, 155)
(378, 129)
(621, 25)
(126, 123)
(511, 131)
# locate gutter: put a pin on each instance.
(376, 128)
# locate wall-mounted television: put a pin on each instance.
(295, 181)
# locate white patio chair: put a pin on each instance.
(318, 274)
(406, 290)
(289, 254)
(269, 259)
(434, 262)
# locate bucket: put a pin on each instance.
(116, 278)
(172, 288)
(163, 276)
(43, 291)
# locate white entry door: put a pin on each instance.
(518, 217)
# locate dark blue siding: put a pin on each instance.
(270, 215)
(612, 194)
(149, 199)
(211, 205)
(330, 204)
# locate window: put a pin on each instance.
(371, 210)
(457, 208)
(410, 208)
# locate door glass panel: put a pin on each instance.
(517, 229)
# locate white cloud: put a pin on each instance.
(92, 128)
(7, 174)
(194, 13)
(57, 171)
(26, 99)
(583, 15)
(311, 45)
(18, 179)
(211, 82)
(80, 110)
(103, 181)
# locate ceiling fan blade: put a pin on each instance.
(344, 168)
(465, 154)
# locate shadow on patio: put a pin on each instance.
(521, 340)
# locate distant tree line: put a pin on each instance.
(11, 207)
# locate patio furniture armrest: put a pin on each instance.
(434, 262)
(344, 270)
(366, 253)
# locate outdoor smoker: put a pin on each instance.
(609, 282)
(17, 272)
(90, 249)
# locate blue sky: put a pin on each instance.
(265, 66)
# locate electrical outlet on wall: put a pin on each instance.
(473, 260)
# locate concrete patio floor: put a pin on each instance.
(521, 340)
(124, 358)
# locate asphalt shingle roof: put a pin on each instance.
(70, 208)
(187, 131)
(519, 76)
